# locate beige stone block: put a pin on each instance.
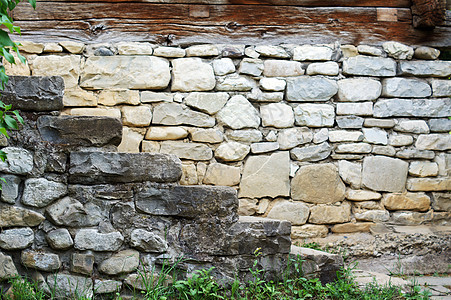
(191, 74)
(361, 195)
(131, 140)
(202, 50)
(352, 227)
(220, 174)
(349, 50)
(31, 47)
(423, 169)
(429, 184)
(319, 183)
(201, 170)
(365, 205)
(247, 207)
(282, 68)
(138, 116)
(266, 176)
(263, 205)
(73, 47)
(67, 66)
(189, 174)
(150, 146)
(95, 112)
(193, 151)
(151, 97)
(373, 216)
(330, 214)
(407, 201)
(166, 133)
(112, 98)
(441, 201)
(52, 48)
(309, 231)
(295, 212)
(125, 48)
(232, 151)
(381, 173)
(79, 97)
(210, 135)
(17, 69)
(169, 52)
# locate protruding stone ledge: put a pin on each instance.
(111, 167)
(34, 93)
(80, 130)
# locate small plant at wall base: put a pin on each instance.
(7, 121)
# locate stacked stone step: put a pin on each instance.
(73, 210)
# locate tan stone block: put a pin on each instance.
(220, 174)
(111, 98)
(150, 146)
(79, 97)
(17, 69)
(330, 214)
(52, 48)
(373, 216)
(309, 231)
(189, 174)
(429, 184)
(210, 135)
(295, 212)
(125, 48)
(349, 50)
(263, 205)
(192, 151)
(166, 133)
(407, 201)
(31, 47)
(138, 116)
(318, 183)
(201, 170)
(352, 227)
(361, 195)
(247, 207)
(95, 112)
(131, 139)
(73, 47)
(365, 205)
(423, 168)
(67, 66)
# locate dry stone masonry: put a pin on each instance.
(334, 141)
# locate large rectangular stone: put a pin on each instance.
(34, 93)
(111, 167)
(434, 108)
(426, 68)
(369, 66)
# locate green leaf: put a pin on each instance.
(4, 132)
(8, 56)
(33, 3)
(19, 118)
(5, 40)
(2, 155)
(11, 122)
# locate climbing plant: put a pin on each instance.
(7, 47)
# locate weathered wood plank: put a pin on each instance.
(218, 14)
(173, 34)
(311, 3)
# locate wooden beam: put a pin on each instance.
(428, 13)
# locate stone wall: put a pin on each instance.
(333, 138)
(77, 216)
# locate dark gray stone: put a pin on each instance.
(43, 261)
(10, 189)
(440, 125)
(32, 93)
(17, 238)
(147, 241)
(70, 286)
(111, 167)
(91, 239)
(188, 201)
(80, 130)
(60, 239)
(415, 153)
(70, 212)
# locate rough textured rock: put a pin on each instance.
(169, 52)
(20, 161)
(330, 68)
(381, 173)
(353, 148)
(369, 50)
(80, 131)
(358, 89)
(296, 213)
(373, 216)
(259, 170)
(82, 263)
(272, 51)
(194, 151)
(248, 135)
(68, 286)
(314, 115)
(147, 241)
(350, 122)
(125, 48)
(232, 151)
(330, 214)
(440, 125)
(247, 117)
(352, 227)
(34, 93)
(307, 52)
(441, 88)
(414, 153)
(234, 83)
(210, 135)
(91, 239)
(410, 218)
(166, 133)
(272, 84)
(7, 267)
(407, 201)
(59, 239)
(317, 184)
(223, 66)
(429, 184)
(11, 216)
(439, 142)
(425, 68)
(70, 212)
(102, 286)
(375, 136)
(202, 50)
(413, 126)
(405, 88)
(67, 67)
(251, 66)
(277, 115)
(177, 114)
(220, 174)
(131, 139)
(17, 238)
(282, 68)
(351, 173)
(398, 50)
(264, 147)
(143, 72)
(423, 169)
(10, 189)
(358, 109)
(345, 136)
(369, 66)
(362, 195)
(43, 261)
(209, 103)
(138, 116)
(72, 47)
(292, 137)
(440, 202)
(309, 231)
(383, 123)
(40, 192)
(125, 261)
(308, 89)
(100, 167)
(400, 140)
(311, 153)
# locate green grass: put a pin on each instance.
(201, 285)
